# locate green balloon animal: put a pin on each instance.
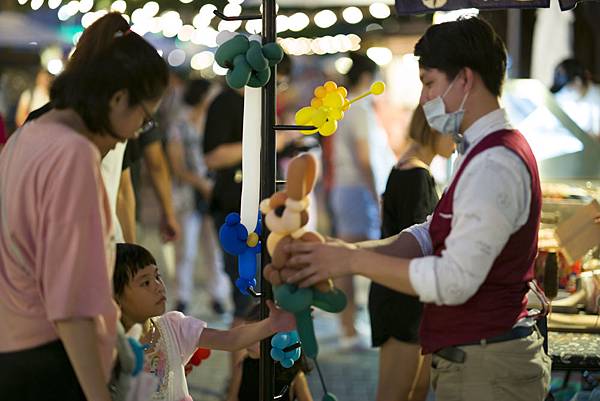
(248, 61)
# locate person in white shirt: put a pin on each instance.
(472, 260)
(192, 190)
(361, 162)
(577, 95)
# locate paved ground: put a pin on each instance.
(349, 375)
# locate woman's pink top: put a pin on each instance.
(3, 134)
(56, 251)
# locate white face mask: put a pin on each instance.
(438, 119)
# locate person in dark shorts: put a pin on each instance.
(410, 196)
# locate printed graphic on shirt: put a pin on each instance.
(156, 363)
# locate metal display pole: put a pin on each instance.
(268, 167)
(267, 187)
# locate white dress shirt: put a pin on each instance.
(491, 202)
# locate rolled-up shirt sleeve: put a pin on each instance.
(491, 202)
(421, 233)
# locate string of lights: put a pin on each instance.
(194, 33)
(149, 17)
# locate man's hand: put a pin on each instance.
(337, 241)
(317, 261)
(169, 228)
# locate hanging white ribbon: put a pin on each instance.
(251, 157)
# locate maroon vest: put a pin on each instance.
(501, 299)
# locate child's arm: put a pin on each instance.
(242, 336)
(300, 387)
(236, 338)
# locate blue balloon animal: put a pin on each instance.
(236, 241)
(285, 348)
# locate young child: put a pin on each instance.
(290, 384)
(171, 338)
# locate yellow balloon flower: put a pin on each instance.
(328, 107)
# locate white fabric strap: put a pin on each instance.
(298, 233)
(297, 206)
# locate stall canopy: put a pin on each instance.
(406, 7)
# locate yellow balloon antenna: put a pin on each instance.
(376, 89)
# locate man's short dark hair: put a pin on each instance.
(468, 42)
(360, 64)
(130, 259)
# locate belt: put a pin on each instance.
(457, 355)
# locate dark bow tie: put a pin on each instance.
(461, 143)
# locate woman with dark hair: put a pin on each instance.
(56, 250)
(410, 196)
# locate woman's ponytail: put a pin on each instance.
(109, 57)
(98, 38)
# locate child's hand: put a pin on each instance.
(279, 319)
(188, 368)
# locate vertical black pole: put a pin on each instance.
(267, 187)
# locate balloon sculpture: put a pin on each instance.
(236, 241)
(248, 61)
(249, 64)
(285, 348)
(200, 355)
(328, 107)
(286, 216)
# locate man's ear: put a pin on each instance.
(468, 78)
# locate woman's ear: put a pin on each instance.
(119, 100)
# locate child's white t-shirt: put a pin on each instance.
(178, 341)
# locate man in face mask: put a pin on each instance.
(472, 261)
